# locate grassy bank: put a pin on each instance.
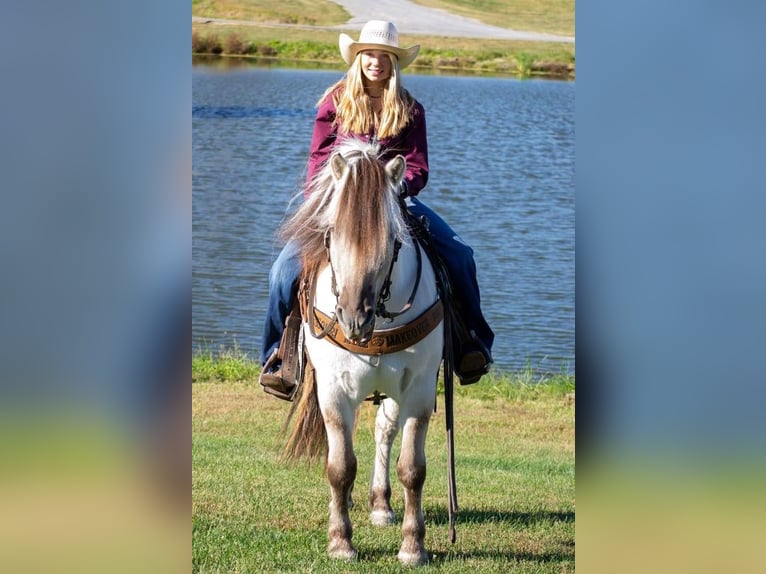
(236, 366)
(515, 480)
(269, 40)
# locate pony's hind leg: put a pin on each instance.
(411, 469)
(386, 427)
(341, 472)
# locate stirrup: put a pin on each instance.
(273, 383)
(474, 364)
(283, 372)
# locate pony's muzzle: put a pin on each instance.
(356, 325)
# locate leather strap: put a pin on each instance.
(386, 341)
(289, 347)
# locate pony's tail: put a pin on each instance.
(308, 438)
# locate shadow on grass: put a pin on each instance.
(378, 554)
(543, 557)
(440, 516)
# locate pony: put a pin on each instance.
(369, 280)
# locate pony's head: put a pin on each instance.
(361, 244)
(354, 213)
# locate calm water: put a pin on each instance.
(501, 153)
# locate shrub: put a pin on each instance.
(524, 63)
(209, 44)
(266, 50)
(197, 41)
(236, 45)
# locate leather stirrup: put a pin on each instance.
(284, 381)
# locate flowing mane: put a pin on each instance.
(361, 208)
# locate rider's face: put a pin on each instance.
(376, 65)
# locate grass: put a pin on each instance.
(226, 365)
(505, 57)
(308, 12)
(515, 480)
(549, 16)
(234, 365)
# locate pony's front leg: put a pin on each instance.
(341, 472)
(386, 427)
(411, 469)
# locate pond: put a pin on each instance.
(501, 154)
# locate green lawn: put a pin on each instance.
(515, 481)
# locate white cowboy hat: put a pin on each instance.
(377, 35)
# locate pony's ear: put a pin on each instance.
(395, 169)
(338, 165)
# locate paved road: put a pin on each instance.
(413, 19)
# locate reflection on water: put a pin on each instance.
(245, 112)
(226, 63)
(502, 174)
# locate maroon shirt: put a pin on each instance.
(411, 142)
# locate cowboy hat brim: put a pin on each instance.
(349, 49)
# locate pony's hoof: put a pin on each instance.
(413, 558)
(342, 552)
(382, 517)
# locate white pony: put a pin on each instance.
(370, 289)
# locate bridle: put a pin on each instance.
(383, 296)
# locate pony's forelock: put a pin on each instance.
(362, 206)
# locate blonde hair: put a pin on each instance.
(354, 112)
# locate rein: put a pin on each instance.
(385, 293)
(419, 227)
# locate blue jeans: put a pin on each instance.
(458, 257)
(283, 290)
